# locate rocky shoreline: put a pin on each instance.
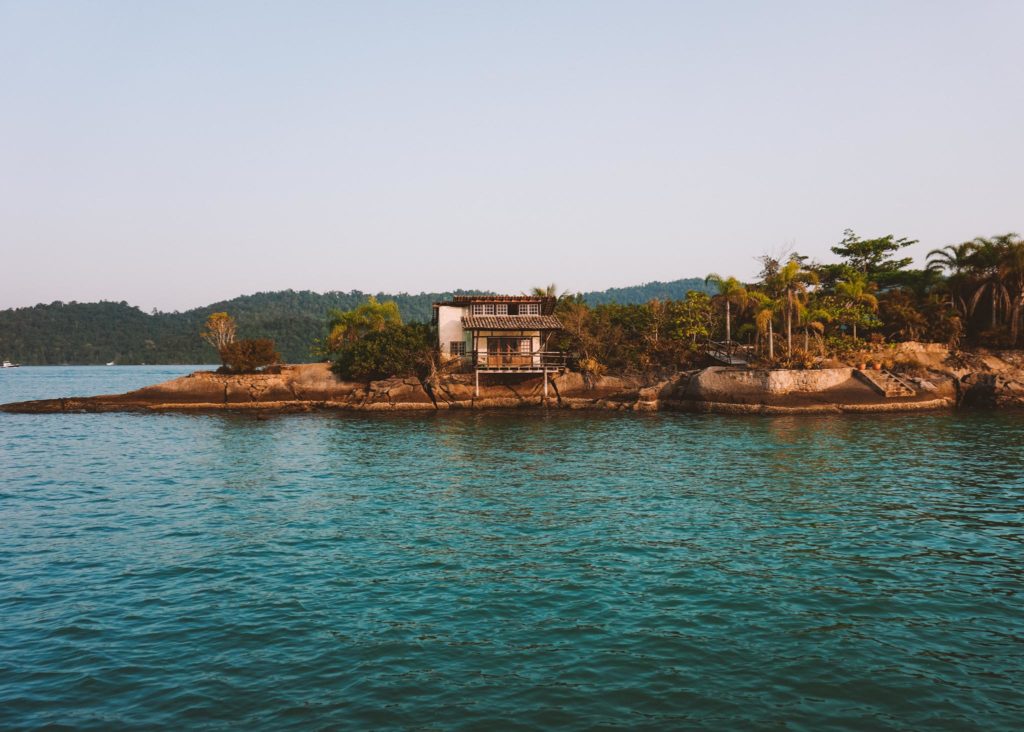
(940, 380)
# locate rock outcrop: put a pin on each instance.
(941, 378)
(313, 387)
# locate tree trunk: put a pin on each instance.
(771, 342)
(855, 330)
(789, 323)
(728, 329)
(1015, 322)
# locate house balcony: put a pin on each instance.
(516, 361)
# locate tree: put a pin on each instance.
(954, 258)
(574, 314)
(764, 314)
(872, 257)
(219, 330)
(855, 294)
(690, 320)
(902, 318)
(549, 291)
(731, 292)
(814, 318)
(371, 316)
(1011, 271)
(985, 262)
(792, 281)
(247, 356)
(394, 350)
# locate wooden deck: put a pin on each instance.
(730, 353)
(537, 362)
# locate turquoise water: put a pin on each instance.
(506, 570)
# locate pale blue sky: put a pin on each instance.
(172, 154)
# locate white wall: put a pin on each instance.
(449, 327)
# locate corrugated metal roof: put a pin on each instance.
(510, 322)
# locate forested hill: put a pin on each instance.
(674, 290)
(95, 333)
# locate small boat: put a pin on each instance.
(9, 365)
(110, 363)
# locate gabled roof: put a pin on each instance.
(466, 299)
(510, 322)
(547, 304)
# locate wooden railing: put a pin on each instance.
(517, 360)
(729, 352)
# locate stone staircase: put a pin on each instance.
(886, 383)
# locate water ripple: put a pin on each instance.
(512, 570)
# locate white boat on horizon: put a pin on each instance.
(9, 365)
(110, 363)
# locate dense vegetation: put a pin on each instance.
(799, 313)
(969, 294)
(94, 333)
(796, 312)
(660, 334)
(370, 341)
(397, 349)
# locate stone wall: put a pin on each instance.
(718, 383)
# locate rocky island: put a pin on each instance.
(939, 379)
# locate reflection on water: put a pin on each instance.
(511, 568)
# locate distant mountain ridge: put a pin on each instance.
(95, 333)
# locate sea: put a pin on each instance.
(506, 570)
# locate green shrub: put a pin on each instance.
(249, 356)
(395, 350)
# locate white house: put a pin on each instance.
(499, 333)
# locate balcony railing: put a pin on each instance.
(516, 360)
(730, 352)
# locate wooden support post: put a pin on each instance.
(545, 384)
(476, 385)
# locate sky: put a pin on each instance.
(172, 154)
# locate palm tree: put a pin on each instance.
(549, 291)
(1011, 272)
(732, 292)
(855, 290)
(814, 319)
(985, 258)
(954, 258)
(764, 314)
(793, 282)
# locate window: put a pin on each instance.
(525, 345)
(489, 308)
(457, 348)
(529, 308)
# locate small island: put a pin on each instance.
(946, 382)
(865, 334)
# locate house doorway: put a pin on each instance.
(504, 351)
